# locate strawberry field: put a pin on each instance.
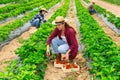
(23, 46)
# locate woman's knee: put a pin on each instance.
(63, 48)
(60, 50)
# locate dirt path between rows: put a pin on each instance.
(53, 73)
(7, 52)
(107, 30)
(115, 9)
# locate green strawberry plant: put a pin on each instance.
(87, 1)
(22, 9)
(6, 30)
(103, 52)
(110, 16)
(33, 61)
(12, 1)
(113, 1)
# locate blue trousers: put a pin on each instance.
(59, 46)
(92, 11)
(36, 23)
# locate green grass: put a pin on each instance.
(113, 1)
(87, 1)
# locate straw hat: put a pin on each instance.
(43, 9)
(58, 20)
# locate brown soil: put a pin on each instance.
(115, 9)
(7, 52)
(107, 30)
(53, 73)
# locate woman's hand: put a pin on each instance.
(66, 55)
(48, 51)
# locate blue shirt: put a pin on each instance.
(40, 17)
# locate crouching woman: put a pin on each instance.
(63, 40)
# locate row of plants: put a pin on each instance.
(22, 9)
(7, 29)
(99, 47)
(13, 6)
(87, 1)
(6, 1)
(110, 16)
(113, 1)
(33, 61)
(13, 1)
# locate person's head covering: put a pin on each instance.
(43, 9)
(59, 20)
(93, 2)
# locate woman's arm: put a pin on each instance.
(72, 39)
(53, 35)
(68, 51)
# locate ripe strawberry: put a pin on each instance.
(58, 61)
(64, 58)
(63, 62)
(67, 66)
(75, 66)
